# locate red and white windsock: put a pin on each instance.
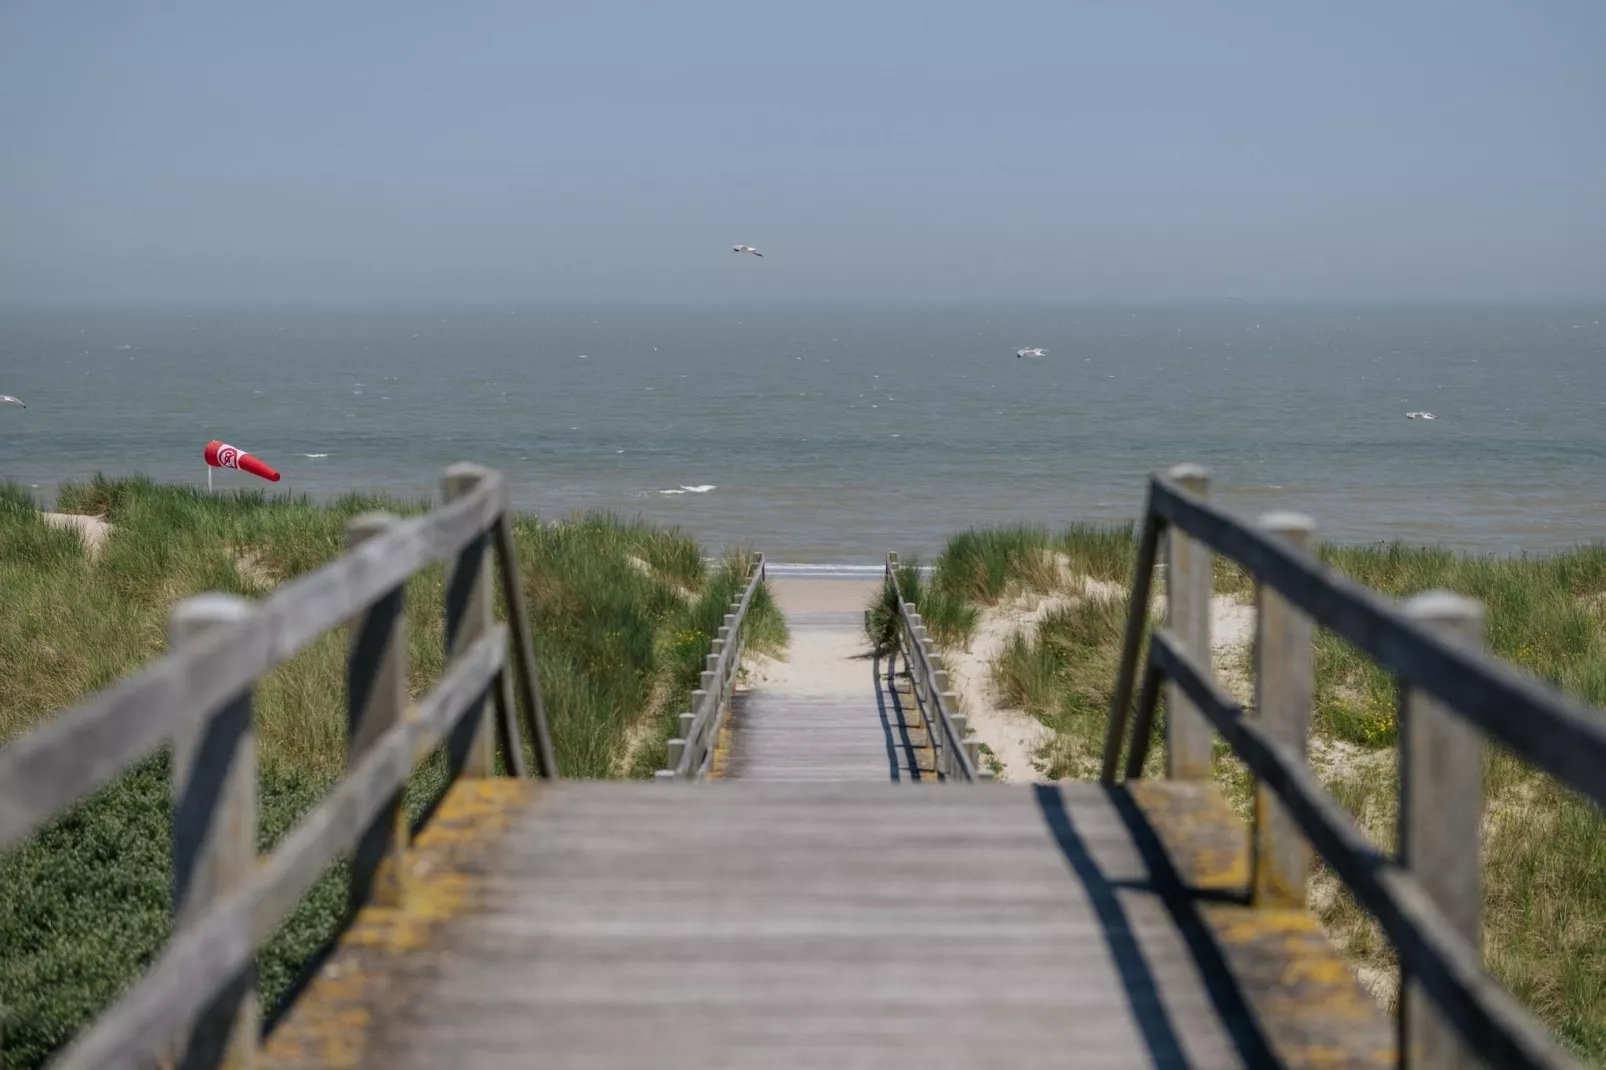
(223, 455)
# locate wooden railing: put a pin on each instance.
(691, 754)
(955, 751)
(1428, 900)
(197, 1005)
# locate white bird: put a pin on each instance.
(746, 249)
(1033, 352)
(1420, 416)
(9, 400)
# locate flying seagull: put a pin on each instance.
(9, 400)
(1420, 416)
(1036, 351)
(746, 249)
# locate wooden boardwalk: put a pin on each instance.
(827, 712)
(830, 925)
(819, 901)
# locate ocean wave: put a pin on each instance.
(314, 456)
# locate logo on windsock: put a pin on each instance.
(222, 455)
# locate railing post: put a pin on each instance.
(694, 735)
(1137, 616)
(376, 701)
(472, 748)
(214, 785)
(1284, 680)
(518, 618)
(1441, 813)
(1188, 589)
(937, 730)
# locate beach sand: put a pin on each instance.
(823, 596)
(827, 655)
(92, 529)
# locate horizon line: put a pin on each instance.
(925, 304)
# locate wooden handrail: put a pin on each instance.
(80, 750)
(691, 753)
(1555, 732)
(198, 1004)
(955, 750)
(1446, 963)
(205, 956)
(1451, 1011)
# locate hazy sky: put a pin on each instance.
(182, 151)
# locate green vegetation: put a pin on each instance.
(1544, 849)
(621, 614)
(1061, 672)
(1063, 675)
(948, 617)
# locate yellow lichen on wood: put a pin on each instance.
(443, 877)
(1310, 1006)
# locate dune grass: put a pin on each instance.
(1062, 671)
(947, 615)
(620, 612)
(685, 650)
(1544, 849)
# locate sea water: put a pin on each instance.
(829, 436)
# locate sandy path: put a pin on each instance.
(1013, 735)
(830, 661)
(1232, 628)
(818, 661)
(817, 715)
(823, 596)
(92, 529)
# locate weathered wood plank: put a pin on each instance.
(1137, 620)
(711, 702)
(207, 954)
(518, 615)
(80, 750)
(1443, 961)
(951, 757)
(741, 924)
(815, 725)
(1143, 722)
(1441, 815)
(1285, 680)
(376, 701)
(1189, 739)
(472, 752)
(506, 716)
(1559, 734)
(214, 778)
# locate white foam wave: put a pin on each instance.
(314, 456)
